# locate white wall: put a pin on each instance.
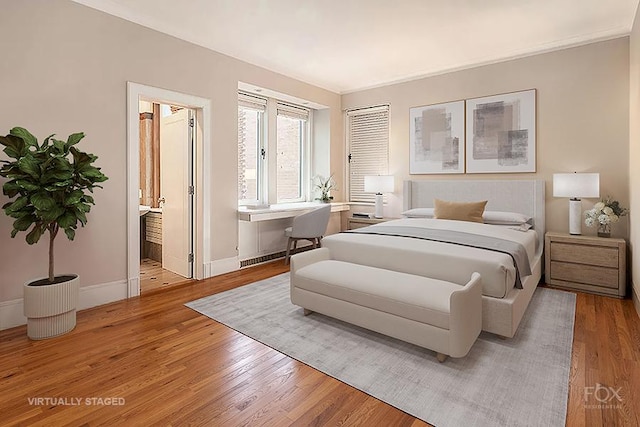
(65, 70)
(582, 118)
(634, 159)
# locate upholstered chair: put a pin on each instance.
(309, 226)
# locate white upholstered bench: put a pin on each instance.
(438, 315)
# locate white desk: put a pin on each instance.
(284, 210)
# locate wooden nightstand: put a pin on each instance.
(353, 223)
(585, 263)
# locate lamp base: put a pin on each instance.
(575, 216)
(379, 206)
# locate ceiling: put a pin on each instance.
(348, 45)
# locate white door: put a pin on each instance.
(176, 142)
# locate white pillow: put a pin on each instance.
(521, 227)
(419, 213)
(489, 217)
(505, 218)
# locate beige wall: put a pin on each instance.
(634, 157)
(64, 69)
(582, 118)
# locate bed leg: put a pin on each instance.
(306, 311)
(441, 357)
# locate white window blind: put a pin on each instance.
(252, 102)
(368, 139)
(292, 111)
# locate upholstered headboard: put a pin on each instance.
(522, 196)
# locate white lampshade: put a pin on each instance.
(576, 185)
(378, 184)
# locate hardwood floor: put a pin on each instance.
(605, 363)
(162, 363)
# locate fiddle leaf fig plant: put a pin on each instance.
(49, 185)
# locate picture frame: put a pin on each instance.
(437, 138)
(501, 133)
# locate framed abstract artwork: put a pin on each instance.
(501, 133)
(437, 138)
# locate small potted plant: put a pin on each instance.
(48, 184)
(325, 185)
(603, 214)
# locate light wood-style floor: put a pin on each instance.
(153, 276)
(168, 365)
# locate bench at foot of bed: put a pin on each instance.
(438, 315)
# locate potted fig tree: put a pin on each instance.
(48, 185)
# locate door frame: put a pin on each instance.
(137, 92)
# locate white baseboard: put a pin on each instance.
(221, 266)
(11, 312)
(104, 293)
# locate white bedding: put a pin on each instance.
(444, 261)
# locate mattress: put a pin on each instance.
(443, 261)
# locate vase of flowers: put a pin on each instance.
(603, 214)
(324, 185)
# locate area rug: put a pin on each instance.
(521, 381)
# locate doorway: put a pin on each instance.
(167, 138)
(200, 174)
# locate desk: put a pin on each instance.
(284, 210)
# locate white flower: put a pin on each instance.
(604, 214)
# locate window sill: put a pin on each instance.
(284, 210)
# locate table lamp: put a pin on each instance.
(378, 184)
(576, 185)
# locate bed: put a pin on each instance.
(503, 302)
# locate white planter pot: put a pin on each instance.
(51, 309)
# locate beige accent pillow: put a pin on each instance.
(460, 211)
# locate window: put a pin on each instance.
(267, 126)
(250, 147)
(368, 144)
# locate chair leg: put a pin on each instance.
(319, 241)
(286, 257)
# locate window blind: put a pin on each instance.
(252, 102)
(292, 111)
(368, 139)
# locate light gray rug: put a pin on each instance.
(522, 381)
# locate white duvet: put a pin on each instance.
(442, 261)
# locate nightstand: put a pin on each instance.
(353, 223)
(585, 263)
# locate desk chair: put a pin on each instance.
(309, 226)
